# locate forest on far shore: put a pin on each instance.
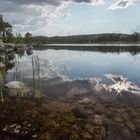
(90, 39)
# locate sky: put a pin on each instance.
(71, 17)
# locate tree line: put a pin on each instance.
(93, 38)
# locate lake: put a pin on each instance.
(72, 70)
(75, 64)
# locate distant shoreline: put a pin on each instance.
(94, 45)
(132, 48)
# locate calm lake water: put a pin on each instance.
(75, 64)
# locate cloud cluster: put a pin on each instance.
(32, 15)
(36, 15)
(49, 2)
(122, 4)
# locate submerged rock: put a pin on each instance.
(98, 119)
(14, 85)
(103, 131)
(90, 128)
(130, 125)
(16, 88)
(80, 112)
(86, 135)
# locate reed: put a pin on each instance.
(36, 77)
(17, 76)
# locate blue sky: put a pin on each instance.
(59, 17)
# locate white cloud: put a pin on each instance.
(121, 4)
(34, 15)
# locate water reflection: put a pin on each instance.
(134, 50)
(6, 63)
(74, 64)
(9, 61)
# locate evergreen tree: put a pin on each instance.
(5, 30)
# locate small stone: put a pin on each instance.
(126, 132)
(118, 118)
(80, 112)
(66, 129)
(100, 107)
(70, 119)
(25, 132)
(90, 112)
(89, 128)
(98, 120)
(29, 125)
(137, 123)
(103, 131)
(5, 129)
(121, 110)
(18, 127)
(16, 131)
(87, 135)
(25, 122)
(130, 125)
(65, 124)
(34, 136)
(75, 137)
(52, 116)
(75, 128)
(97, 130)
(97, 137)
(13, 125)
(135, 113)
(125, 116)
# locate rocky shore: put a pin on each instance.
(9, 47)
(93, 119)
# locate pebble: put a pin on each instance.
(87, 135)
(103, 131)
(130, 125)
(98, 120)
(89, 128)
